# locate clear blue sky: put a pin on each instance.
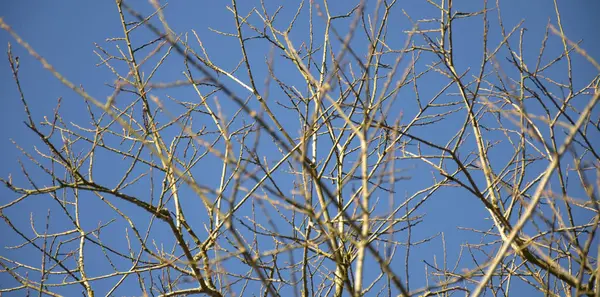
(65, 33)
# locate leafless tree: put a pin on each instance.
(306, 169)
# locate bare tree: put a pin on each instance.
(307, 169)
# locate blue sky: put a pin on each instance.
(66, 34)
